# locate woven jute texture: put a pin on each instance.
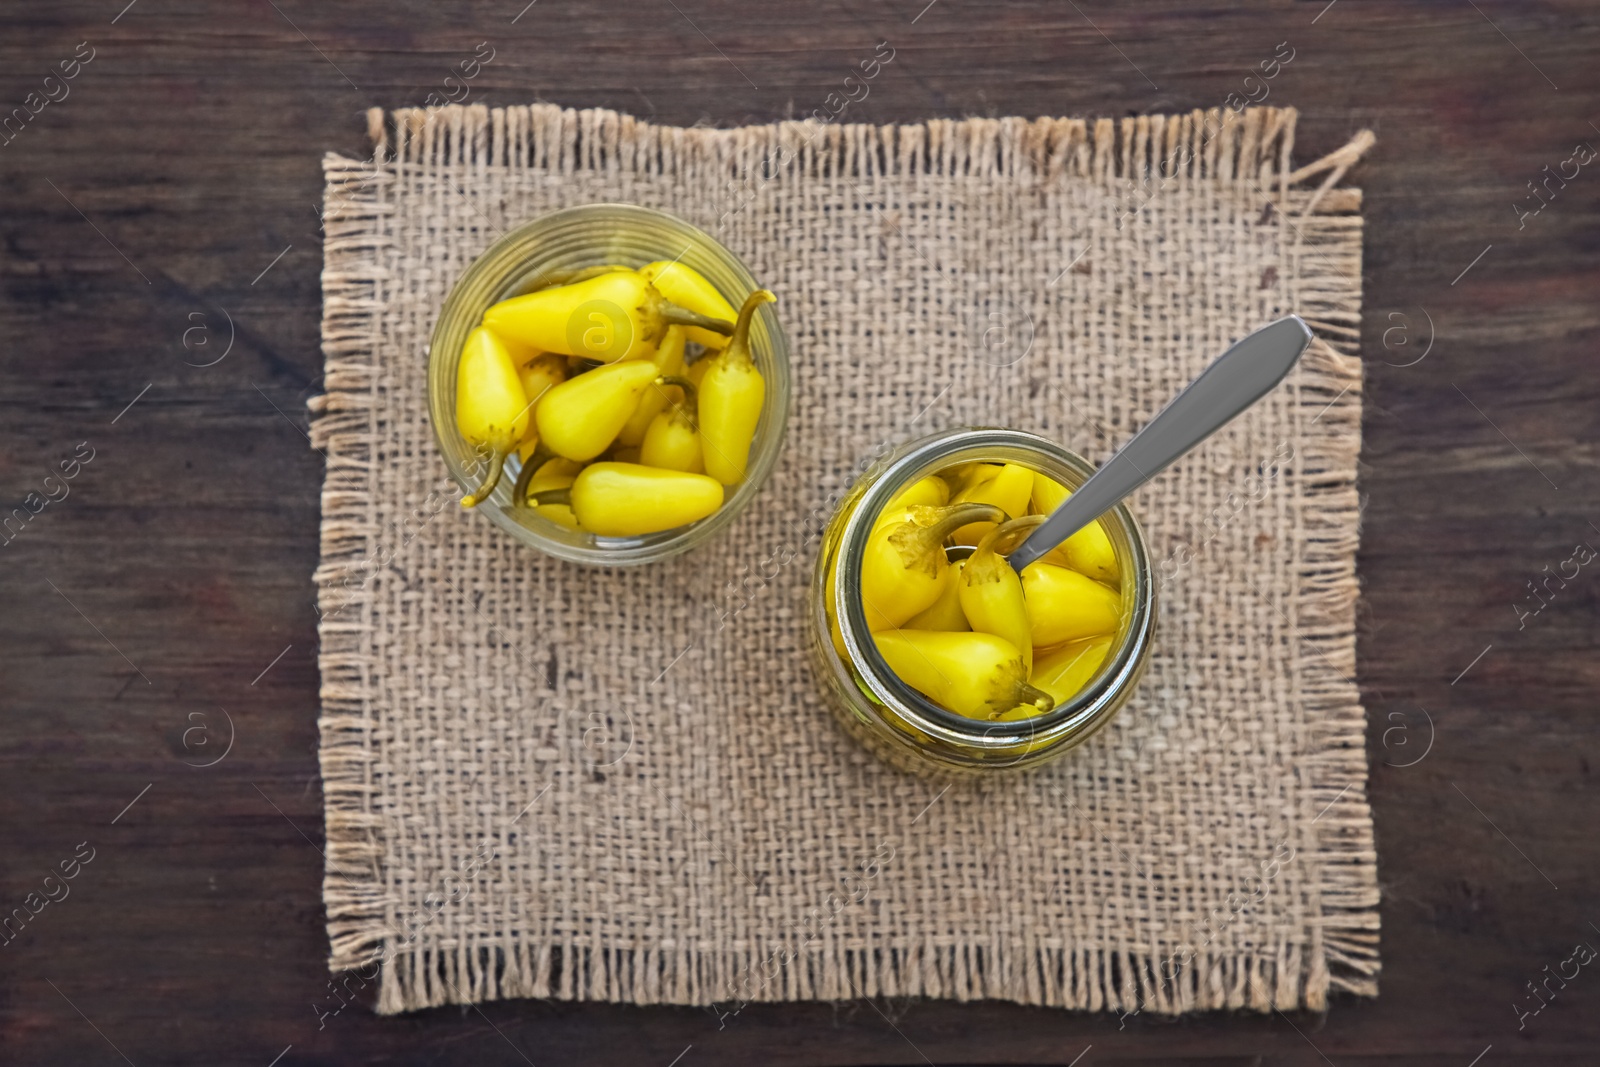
(548, 780)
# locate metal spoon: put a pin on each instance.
(1239, 377)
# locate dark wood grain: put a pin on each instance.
(149, 601)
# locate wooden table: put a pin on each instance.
(168, 198)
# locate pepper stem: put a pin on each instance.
(1027, 693)
(551, 496)
(962, 515)
(690, 404)
(739, 343)
(674, 315)
(1004, 539)
(497, 464)
(922, 546)
(540, 456)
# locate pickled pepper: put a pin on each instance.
(688, 288)
(904, 568)
(1009, 489)
(673, 440)
(491, 407)
(731, 395)
(580, 417)
(1064, 605)
(538, 375)
(628, 499)
(932, 490)
(946, 613)
(1063, 671)
(668, 360)
(557, 473)
(1089, 550)
(615, 316)
(976, 675)
(991, 594)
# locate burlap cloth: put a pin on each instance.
(622, 784)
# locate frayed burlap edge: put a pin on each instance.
(341, 427)
(1322, 234)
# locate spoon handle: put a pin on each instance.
(1239, 377)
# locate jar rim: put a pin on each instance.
(1092, 705)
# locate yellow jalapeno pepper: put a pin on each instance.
(1008, 489)
(628, 499)
(991, 594)
(614, 317)
(1064, 605)
(1063, 671)
(903, 567)
(673, 440)
(532, 459)
(538, 375)
(669, 361)
(580, 417)
(697, 370)
(946, 613)
(932, 491)
(557, 473)
(731, 393)
(688, 288)
(491, 408)
(541, 373)
(967, 476)
(926, 492)
(1089, 550)
(926, 552)
(977, 675)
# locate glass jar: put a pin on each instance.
(568, 240)
(897, 721)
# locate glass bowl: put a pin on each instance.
(567, 240)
